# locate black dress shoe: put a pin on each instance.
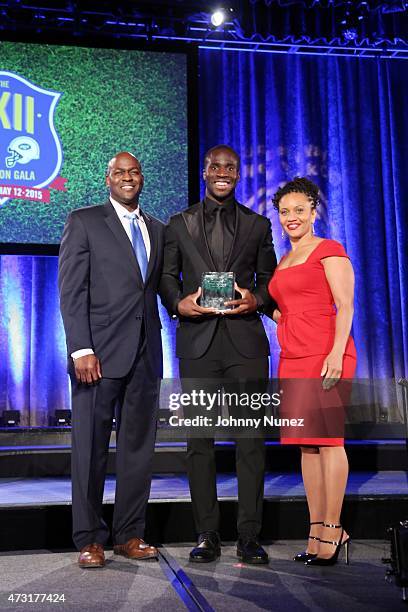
(249, 550)
(208, 548)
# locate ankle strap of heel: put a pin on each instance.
(330, 542)
(333, 526)
(315, 537)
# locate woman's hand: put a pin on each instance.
(276, 315)
(332, 369)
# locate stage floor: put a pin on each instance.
(174, 584)
(17, 492)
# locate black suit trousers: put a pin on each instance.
(133, 399)
(223, 361)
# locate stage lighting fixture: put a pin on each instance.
(350, 24)
(63, 418)
(349, 29)
(163, 417)
(219, 16)
(11, 418)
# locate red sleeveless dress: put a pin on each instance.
(306, 332)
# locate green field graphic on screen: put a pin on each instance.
(65, 111)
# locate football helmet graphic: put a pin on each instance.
(22, 149)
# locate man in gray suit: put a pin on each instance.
(109, 269)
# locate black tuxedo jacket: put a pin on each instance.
(187, 256)
(103, 298)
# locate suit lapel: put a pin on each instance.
(243, 227)
(194, 220)
(116, 227)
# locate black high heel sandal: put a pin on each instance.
(333, 559)
(305, 556)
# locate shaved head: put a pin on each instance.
(121, 154)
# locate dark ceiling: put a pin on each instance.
(374, 24)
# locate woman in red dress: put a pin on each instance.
(313, 286)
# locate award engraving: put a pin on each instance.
(217, 288)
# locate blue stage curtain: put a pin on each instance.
(343, 122)
(33, 358)
(33, 376)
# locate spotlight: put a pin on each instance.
(219, 16)
(11, 418)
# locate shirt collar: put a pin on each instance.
(211, 205)
(121, 211)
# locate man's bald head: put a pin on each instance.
(124, 155)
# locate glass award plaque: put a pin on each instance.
(217, 288)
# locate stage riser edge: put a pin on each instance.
(49, 527)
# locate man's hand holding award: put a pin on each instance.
(245, 305)
(216, 296)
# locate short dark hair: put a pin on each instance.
(299, 184)
(221, 146)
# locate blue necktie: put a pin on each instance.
(138, 244)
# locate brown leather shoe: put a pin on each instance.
(136, 548)
(91, 555)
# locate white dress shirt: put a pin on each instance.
(121, 211)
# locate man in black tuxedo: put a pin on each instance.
(219, 234)
(110, 265)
